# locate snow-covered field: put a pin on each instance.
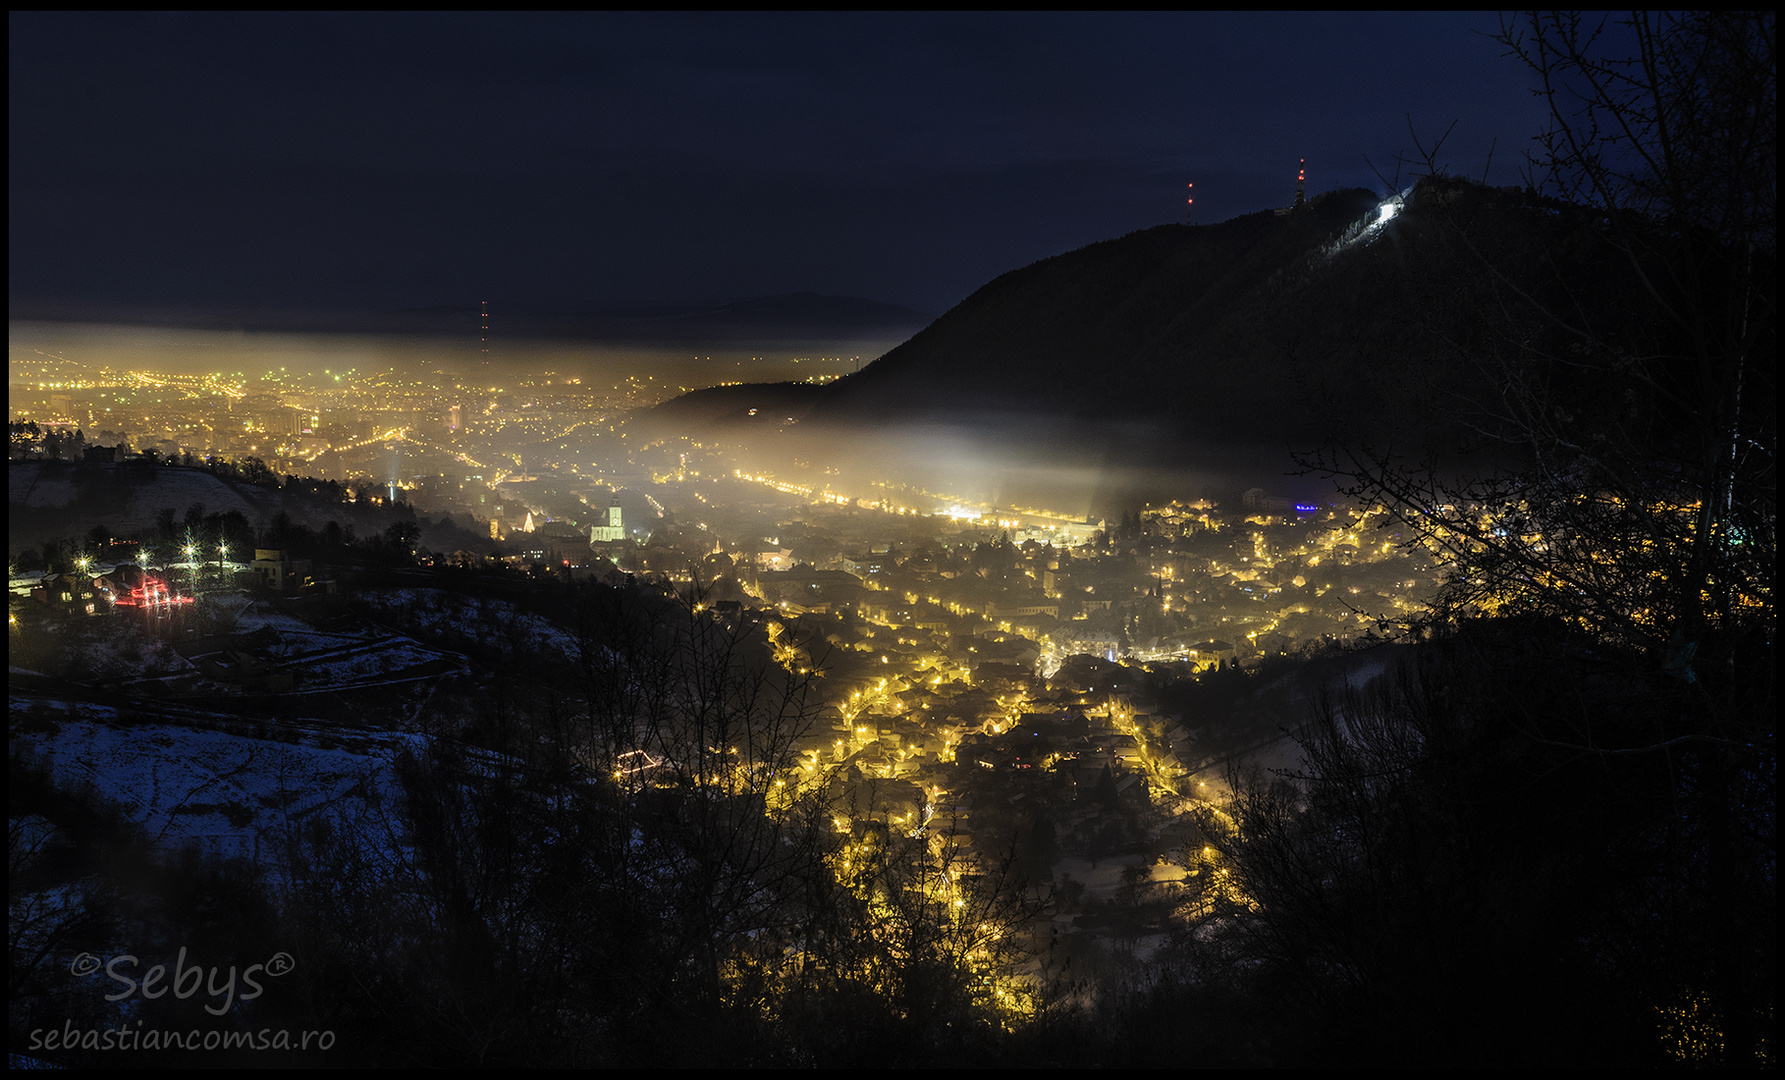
(292, 636)
(233, 795)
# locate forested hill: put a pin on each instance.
(1266, 328)
(1119, 327)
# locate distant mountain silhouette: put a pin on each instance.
(1224, 350)
(789, 320)
(1158, 323)
(1275, 328)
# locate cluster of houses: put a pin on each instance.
(100, 588)
(94, 590)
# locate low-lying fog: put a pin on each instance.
(188, 351)
(1058, 464)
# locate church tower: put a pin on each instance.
(613, 530)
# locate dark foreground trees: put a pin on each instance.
(1620, 323)
(1455, 878)
(1554, 840)
(610, 858)
(640, 875)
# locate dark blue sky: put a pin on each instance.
(553, 162)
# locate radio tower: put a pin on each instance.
(1190, 205)
(1301, 179)
(484, 319)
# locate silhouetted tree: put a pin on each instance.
(402, 537)
(1623, 542)
(1105, 791)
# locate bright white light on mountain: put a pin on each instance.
(1388, 210)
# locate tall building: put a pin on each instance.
(613, 530)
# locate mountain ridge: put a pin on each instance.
(785, 318)
(1351, 317)
(1241, 348)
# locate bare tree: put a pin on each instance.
(1613, 567)
(1672, 146)
(1621, 321)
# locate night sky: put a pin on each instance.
(595, 161)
